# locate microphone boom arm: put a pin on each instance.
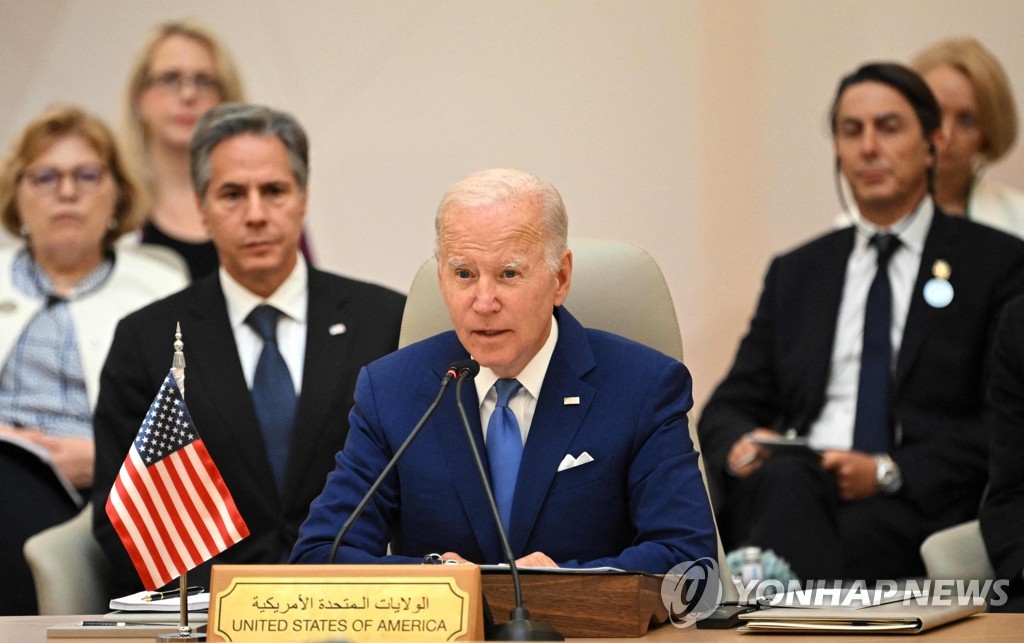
(387, 470)
(506, 548)
(518, 627)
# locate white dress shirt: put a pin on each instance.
(833, 428)
(524, 402)
(291, 298)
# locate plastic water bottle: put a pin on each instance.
(752, 570)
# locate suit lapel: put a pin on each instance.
(921, 317)
(214, 381)
(461, 461)
(816, 347)
(555, 425)
(321, 381)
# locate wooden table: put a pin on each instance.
(979, 628)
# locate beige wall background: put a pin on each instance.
(696, 129)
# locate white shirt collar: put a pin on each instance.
(912, 229)
(532, 375)
(290, 297)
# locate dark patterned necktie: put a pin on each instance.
(273, 392)
(872, 431)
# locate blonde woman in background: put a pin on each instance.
(979, 123)
(182, 71)
(66, 192)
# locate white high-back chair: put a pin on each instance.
(70, 571)
(616, 287)
(957, 552)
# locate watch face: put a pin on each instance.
(886, 475)
(881, 470)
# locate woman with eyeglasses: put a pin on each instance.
(181, 72)
(979, 126)
(64, 190)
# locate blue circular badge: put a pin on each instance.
(938, 293)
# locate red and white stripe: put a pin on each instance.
(174, 514)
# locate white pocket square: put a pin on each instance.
(568, 462)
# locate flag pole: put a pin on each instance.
(144, 507)
(178, 367)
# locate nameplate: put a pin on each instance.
(352, 602)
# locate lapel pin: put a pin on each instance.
(571, 401)
(337, 329)
(938, 292)
(941, 269)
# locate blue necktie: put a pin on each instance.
(504, 448)
(273, 392)
(872, 430)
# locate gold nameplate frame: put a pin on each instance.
(255, 603)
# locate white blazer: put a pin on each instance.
(997, 205)
(139, 278)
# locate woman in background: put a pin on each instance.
(979, 121)
(65, 191)
(181, 72)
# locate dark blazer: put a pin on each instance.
(1002, 515)
(640, 505)
(221, 405)
(782, 367)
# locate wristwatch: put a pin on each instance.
(887, 474)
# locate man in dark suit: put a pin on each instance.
(1002, 514)
(249, 168)
(871, 343)
(597, 468)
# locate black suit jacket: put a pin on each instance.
(1002, 515)
(781, 371)
(221, 405)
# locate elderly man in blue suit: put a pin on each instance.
(607, 474)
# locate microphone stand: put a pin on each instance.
(453, 372)
(519, 627)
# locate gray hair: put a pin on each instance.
(504, 185)
(228, 120)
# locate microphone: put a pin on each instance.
(455, 370)
(519, 627)
(467, 368)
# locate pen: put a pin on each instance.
(172, 593)
(123, 624)
(103, 624)
(744, 461)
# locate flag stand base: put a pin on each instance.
(192, 635)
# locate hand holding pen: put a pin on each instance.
(746, 456)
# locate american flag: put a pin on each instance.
(169, 504)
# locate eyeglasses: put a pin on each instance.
(46, 181)
(172, 82)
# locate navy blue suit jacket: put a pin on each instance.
(640, 505)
